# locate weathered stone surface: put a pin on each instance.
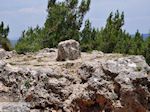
(2, 53)
(68, 50)
(14, 107)
(5, 54)
(96, 82)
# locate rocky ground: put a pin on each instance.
(95, 82)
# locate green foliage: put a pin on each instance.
(30, 40)
(124, 44)
(138, 44)
(88, 35)
(147, 50)
(4, 41)
(63, 22)
(27, 84)
(109, 36)
(112, 38)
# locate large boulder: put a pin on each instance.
(68, 50)
(95, 83)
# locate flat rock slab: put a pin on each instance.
(95, 82)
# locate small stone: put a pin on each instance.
(68, 50)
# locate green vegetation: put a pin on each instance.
(64, 21)
(30, 41)
(4, 41)
(146, 50)
(27, 84)
(88, 37)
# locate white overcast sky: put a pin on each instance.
(21, 14)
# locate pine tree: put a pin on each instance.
(4, 41)
(30, 40)
(147, 50)
(138, 44)
(88, 35)
(124, 44)
(64, 20)
(110, 34)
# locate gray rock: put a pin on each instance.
(47, 50)
(2, 64)
(107, 83)
(14, 107)
(69, 49)
(2, 53)
(6, 54)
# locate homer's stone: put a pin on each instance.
(68, 50)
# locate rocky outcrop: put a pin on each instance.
(6, 54)
(68, 50)
(96, 82)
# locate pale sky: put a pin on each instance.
(21, 14)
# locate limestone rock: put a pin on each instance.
(14, 107)
(2, 53)
(96, 82)
(6, 54)
(69, 49)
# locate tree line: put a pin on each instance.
(65, 20)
